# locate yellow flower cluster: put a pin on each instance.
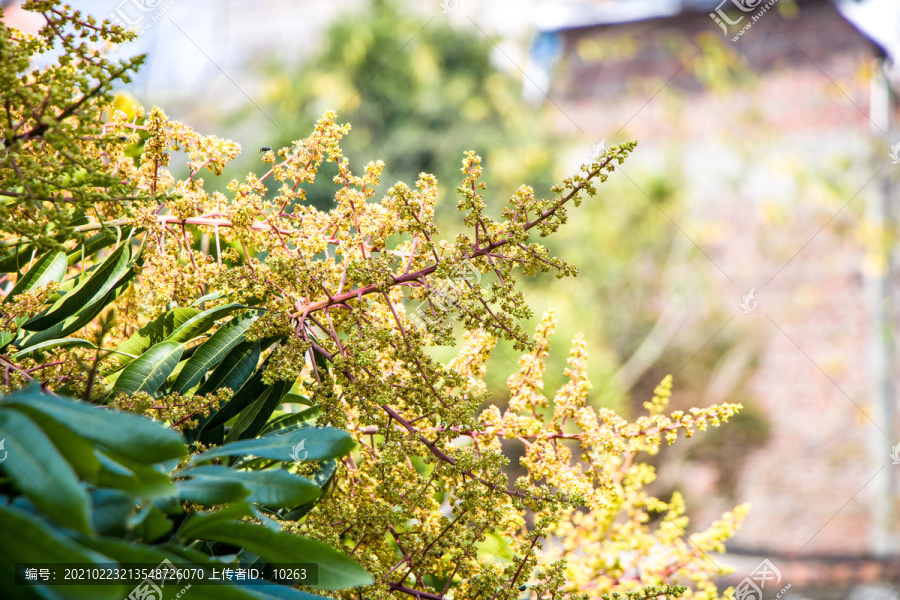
(349, 301)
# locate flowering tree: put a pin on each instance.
(230, 317)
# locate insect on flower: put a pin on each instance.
(264, 149)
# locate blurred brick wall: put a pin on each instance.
(738, 147)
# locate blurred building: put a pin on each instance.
(779, 121)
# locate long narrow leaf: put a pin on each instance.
(275, 488)
(202, 322)
(303, 444)
(236, 372)
(29, 539)
(210, 353)
(14, 260)
(291, 421)
(76, 321)
(254, 418)
(92, 288)
(209, 491)
(38, 469)
(139, 479)
(98, 241)
(154, 332)
(150, 371)
(126, 434)
(335, 569)
(60, 343)
(50, 267)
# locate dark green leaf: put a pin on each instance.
(210, 353)
(202, 322)
(154, 332)
(321, 478)
(129, 553)
(150, 523)
(150, 371)
(79, 452)
(93, 287)
(290, 421)
(14, 260)
(210, 491)
(254, 418)
(335, 569)
(276, 488)
(40, 472)
(140, 479)
(131, 436)
(233, 372)
(50, 267)
(316, 443)
(38, 542)
(111, 509)
(76, 321)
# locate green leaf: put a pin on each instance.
(206, 298)
(98, 241)
(202, 322)
(38, 542)
(79, 452)
(335, 569)
(13, 261)
(130, 553)
(254, 418)
(150, 371)
(321, 478)
(139, 479)
(41, 473)
(76, 321)
(51, 267)
(275, 488)
(111, 509)
(316, 443)
(131, 436)
(154, 332)
(92, 288)
(266, 590)
(210, 353)
(291, 421)
(233, 372)
(59, 343)
(210, 491)
(150, 523)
